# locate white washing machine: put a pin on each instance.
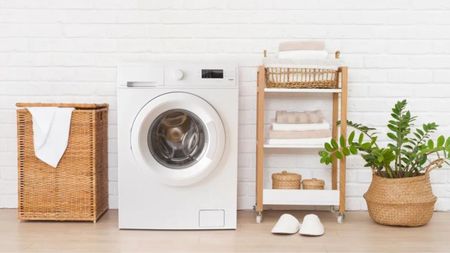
(177, 145)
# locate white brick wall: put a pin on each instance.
(65, 50)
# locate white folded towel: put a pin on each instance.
(303, 142)
(303, 54)
(300, 127)
(51, 127)
(301, 45)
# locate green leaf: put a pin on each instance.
(440, 141)
(366, 145)
(380, 158)
(339, 155)
(420, 132)
(328, 147)
(342, 141)
(393, 128)
(353, 149)
(430, 144)
(334, 144)
(351, 137)
(408, 146)
(361, 138)
(392, 136)
(447, 142)
(346, 151)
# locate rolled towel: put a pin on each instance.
(308, 134)
(291, 117)
(301, 45)
(300, 127)
(315, 116)
(307, 117)
(303, 54)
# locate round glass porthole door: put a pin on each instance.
(179, 137)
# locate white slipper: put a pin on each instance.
(312, 226)
(286, 224)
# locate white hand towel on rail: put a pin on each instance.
(303, 54)
(51, 127)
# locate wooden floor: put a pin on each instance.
(357, 234)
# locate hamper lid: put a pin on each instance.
(286, 176)
(314, 181)
(75, 105)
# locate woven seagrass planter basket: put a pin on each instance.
(401, 201)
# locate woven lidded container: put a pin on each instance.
(401, 201)
(313, 184)
(286, 180)
(77, 190)
(303, 78)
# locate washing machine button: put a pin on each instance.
(178, 74)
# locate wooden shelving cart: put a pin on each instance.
(334, 197)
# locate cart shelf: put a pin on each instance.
(332, 197)
(301, 197)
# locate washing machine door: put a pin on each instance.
(178, 136)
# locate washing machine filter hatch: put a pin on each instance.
(177, 139)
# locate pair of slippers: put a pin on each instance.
(288, 225)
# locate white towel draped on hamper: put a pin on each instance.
(51, 127)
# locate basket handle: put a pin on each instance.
(434, 164)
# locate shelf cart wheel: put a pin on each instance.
(333, 209)
(259, 217)
(340, 218)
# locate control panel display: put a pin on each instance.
(212, 73)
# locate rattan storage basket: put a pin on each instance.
(77, 190)
(281, 77)
(286, 180)
(313, 184)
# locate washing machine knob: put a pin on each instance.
(178, 74)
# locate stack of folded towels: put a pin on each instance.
(307, 128)
(302, 50)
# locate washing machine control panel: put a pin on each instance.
(200, 75)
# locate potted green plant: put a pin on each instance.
(400, 192)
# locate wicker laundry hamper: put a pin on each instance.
(286, 180)
(77, 190)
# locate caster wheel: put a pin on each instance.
(259, 218)
(340, 218)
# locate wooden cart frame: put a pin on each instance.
(334, 197)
